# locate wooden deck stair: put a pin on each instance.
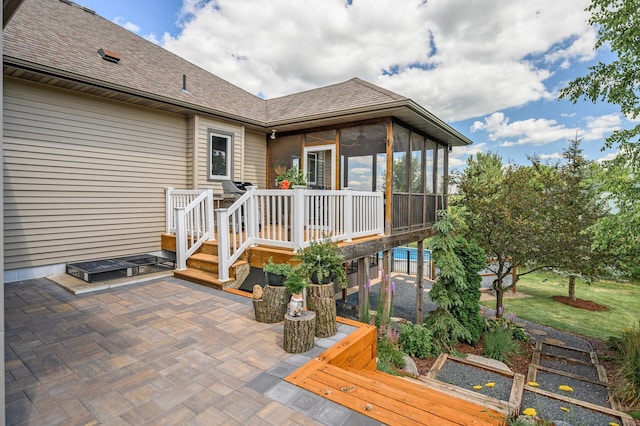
(346, 374)
(202, 266)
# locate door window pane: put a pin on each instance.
(220, 158)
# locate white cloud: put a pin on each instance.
(524, 132)
(127, 25)
(600, 127)
(552, 156)
(152, 38)
(458, 59)
(607, 157)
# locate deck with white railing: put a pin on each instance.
(279, 218)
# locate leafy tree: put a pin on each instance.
(575, 206)
(618, 233)
(507, 214)
(617, 82)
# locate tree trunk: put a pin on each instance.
(299, 332)
(321, 301)
(497, 287)
(572, 287)
(273, 305)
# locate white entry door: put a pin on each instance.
(319, 166)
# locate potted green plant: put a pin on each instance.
(276, 273)
(322, 262)
(295, 284)
(290, 178)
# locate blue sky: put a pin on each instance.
(491, 69)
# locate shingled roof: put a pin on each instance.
(60, 39)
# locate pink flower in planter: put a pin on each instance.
(285, 184)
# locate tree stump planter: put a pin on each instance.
(273, 305)
(299, 332)
(320, 299)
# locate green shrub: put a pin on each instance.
(628, 380)
(499, 344)
(517, 331)
(390, 358)
(415, 340)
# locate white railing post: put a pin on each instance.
(209, 220)
(253, 219)
(223, 244)
(380, 213)
(348, 214)
(168, 209)
(297, 223)
(181, 240)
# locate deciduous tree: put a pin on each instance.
(507, 214)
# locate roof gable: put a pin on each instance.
(347, 96)
(67, 37)
(61, 39)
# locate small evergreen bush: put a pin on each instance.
(468, 311)
(415, 340)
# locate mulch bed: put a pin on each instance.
(581, 303)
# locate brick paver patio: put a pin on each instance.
(162, 352)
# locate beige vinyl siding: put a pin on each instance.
(255, 153)
(84, 177)
(255, 159)
(191, 142)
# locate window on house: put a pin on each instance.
(220, 157)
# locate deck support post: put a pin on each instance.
(384, 295)
(363, 288)
(420, 283)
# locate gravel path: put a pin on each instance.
(550, 410)
(467, 377)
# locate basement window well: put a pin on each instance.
(122, 267)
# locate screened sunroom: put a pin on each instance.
(382, 155)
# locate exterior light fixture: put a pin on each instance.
(273, 134)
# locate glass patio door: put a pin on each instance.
(319, 166)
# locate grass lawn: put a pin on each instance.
(622, 299)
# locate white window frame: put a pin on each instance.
(229, 154)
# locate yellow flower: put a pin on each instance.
(477, 387)
(530, 412)
(565, 388)
(533, 384)
(490, 384)
(565, 409)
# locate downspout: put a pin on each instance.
(244, 141)
(194, 148)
